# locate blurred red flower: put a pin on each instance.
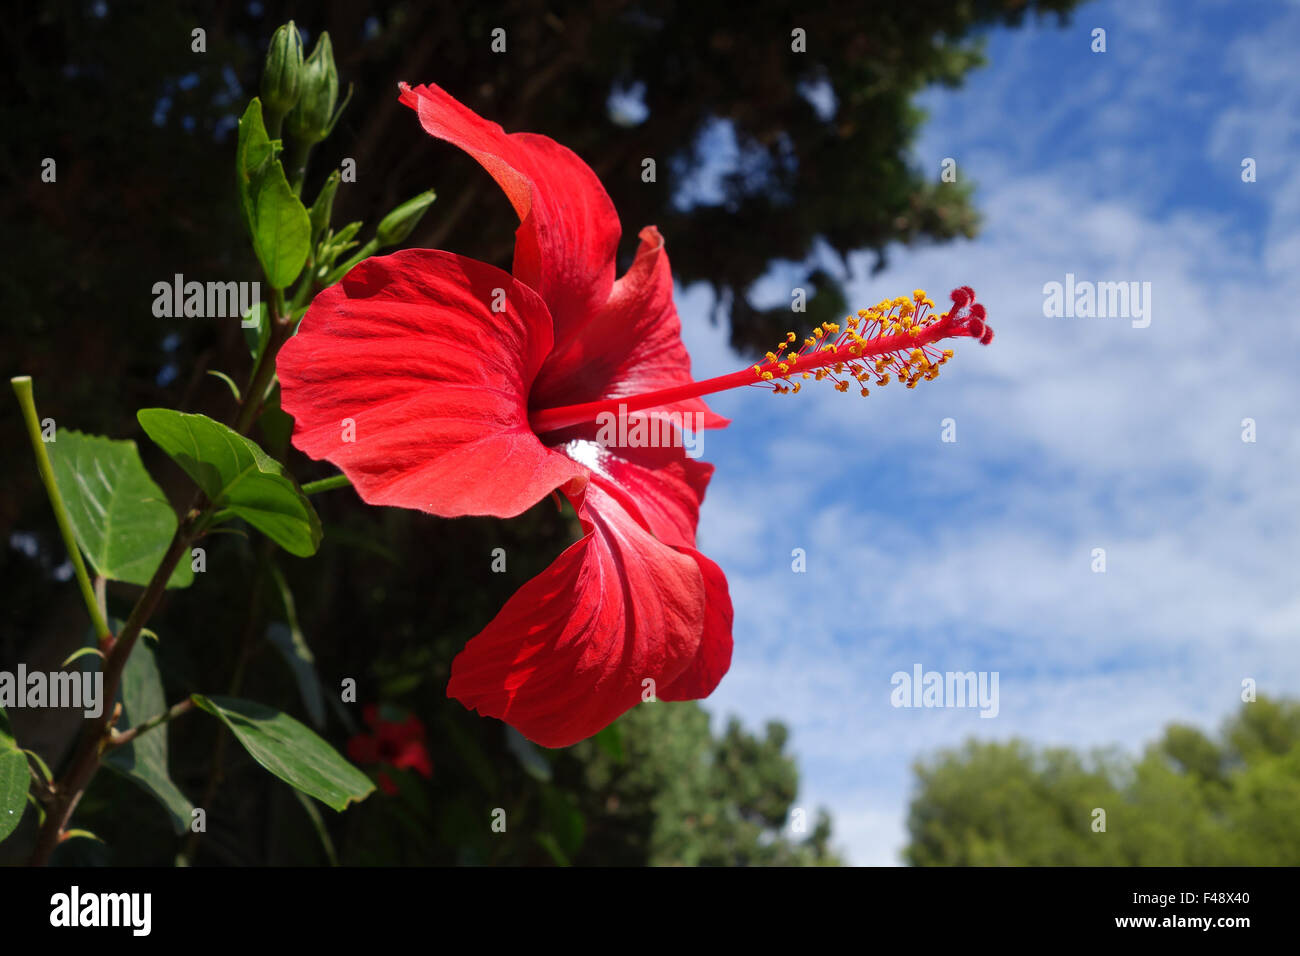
(397, 744)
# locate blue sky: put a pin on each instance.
(1072, 433)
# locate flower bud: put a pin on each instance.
(313, 117)
(397, 225)
(282, 76)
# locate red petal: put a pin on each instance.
(659, 486)
(569, 651)
(632, 344)
(568, 231)
(408, 347)
(714, 655)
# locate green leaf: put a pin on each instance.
(144, 759)
(323, 207)
(251, 152)
(277, 220)
(290, 750)
(281, 226)
(288, 640)
(15, 778)
(120, 517)
(276, 426)
(237, 476)
(41, 765)
(83, 652)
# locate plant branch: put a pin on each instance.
(124, 738)
(22, 386)
(97, 735)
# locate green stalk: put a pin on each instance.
(326, 484)
(22, 385)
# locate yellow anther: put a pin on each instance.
(797, 386)
(771, 356)
(865, 393)
(841, 386)
(790, 336)
(767, 376)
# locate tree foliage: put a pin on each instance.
(1188, 801)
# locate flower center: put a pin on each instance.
(892, 340)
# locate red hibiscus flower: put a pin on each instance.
(397, 744)
(442, 383)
